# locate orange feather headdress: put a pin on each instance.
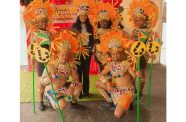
(36, 10)
(81, 7)
(104, 11)
(67, 40)
(111, 41)
(143, 8)
(100, 11)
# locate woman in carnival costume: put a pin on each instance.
(83, 26)
(143, 16)
(37, 16)
(121, 88)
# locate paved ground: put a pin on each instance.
(93, 112)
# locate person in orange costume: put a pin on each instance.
(122, 87)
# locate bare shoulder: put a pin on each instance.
(73, 66)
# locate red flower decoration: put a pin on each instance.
(116, 3)
(58, 2)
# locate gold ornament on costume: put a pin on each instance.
(111, 40)
(41, 13)
(32, 49)
(37, 52)
(81, 7)
(153, 48)
(138, 48)
(103, 15)
(114, 45)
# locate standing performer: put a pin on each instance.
(36, 17)
(143, 15)
(102, 19)
(121, 88)
(83, 26)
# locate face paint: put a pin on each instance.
(39, 53)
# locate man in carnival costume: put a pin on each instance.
(143, 16)
(64, 48)
(122, 87)
(101, 19)
(37, 16)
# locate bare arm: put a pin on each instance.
(74, 74)
(104, 72)
(132, 72)
(45, 79)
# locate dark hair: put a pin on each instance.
(77, 25)
(25, 2)
(121, 25)
(109, 24)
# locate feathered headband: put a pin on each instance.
(36, 10)
(102, 11)
(81, 7)
(143, 8)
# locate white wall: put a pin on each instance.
(23, 43)
(163, 48)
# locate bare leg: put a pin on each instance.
(62, 104)
(123, 105)
(102, 89)
(41, 93)
(119, 111)
(77, 90)
(41, 90)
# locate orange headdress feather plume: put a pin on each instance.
(100, 10)
(145, 7)
(81, 6)
(35, 10)
(62, 40)
(67, 40)
(111, 41)
(116, 36)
